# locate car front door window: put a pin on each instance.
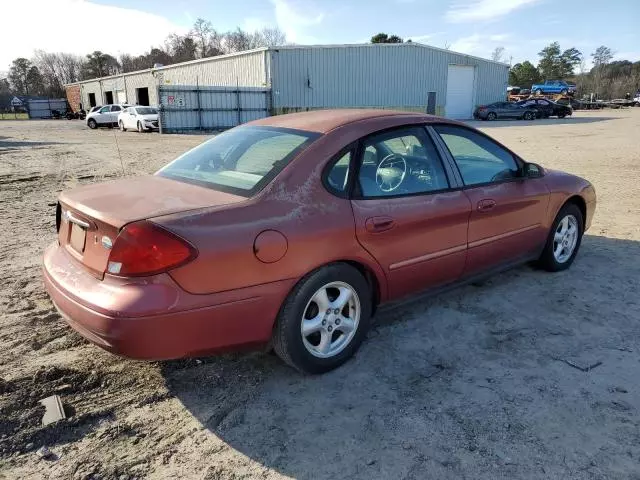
(479, 159)
(507, 219)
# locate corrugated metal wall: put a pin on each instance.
(188, 108)
(383, 76)
(391, 76)
(43, 108)
(246, 69)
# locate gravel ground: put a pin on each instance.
(474, 383)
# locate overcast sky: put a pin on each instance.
(522, 27)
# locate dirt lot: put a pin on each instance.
(469, 384)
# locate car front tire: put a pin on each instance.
(122, 126)
(491, 116)
(564, 239)
(324, 319)
(140, 127)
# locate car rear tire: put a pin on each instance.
(92, 124)
(538, 91)
(491, 116)
(562, 115)
(324, 319)
(564, 239)
(122, 126)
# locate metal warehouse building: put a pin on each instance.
(226, 90)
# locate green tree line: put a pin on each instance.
(606, 78)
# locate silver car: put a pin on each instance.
(504, 110)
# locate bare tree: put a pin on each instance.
(238, 40)
(601, 57)
(270, 37)
(57, 69)
(580, 79)
(182, 48)
(496, 56)
(216, 40)
(201, 32)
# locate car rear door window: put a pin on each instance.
(401, 162)
(338, 175)
(479, 159)
(115, 108)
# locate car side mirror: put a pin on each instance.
(532, 170)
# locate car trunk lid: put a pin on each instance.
(89, 218)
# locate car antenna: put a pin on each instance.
(115, 137)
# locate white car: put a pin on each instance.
(106, 116)
(139, 117)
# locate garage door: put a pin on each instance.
(460, 91)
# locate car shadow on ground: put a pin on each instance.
(472, 382)
(538, 121)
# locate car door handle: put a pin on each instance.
(486, 205)
(379, 224)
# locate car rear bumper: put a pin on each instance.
(153, 318)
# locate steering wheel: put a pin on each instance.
(388, 175)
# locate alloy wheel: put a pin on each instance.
(330, 319)
(565, 239)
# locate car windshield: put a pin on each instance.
(240, 161)
(146, 111)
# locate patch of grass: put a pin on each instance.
(14, 116)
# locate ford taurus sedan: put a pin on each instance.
(292, 229)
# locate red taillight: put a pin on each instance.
(143, 248)
(482, 109)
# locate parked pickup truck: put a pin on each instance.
(553, 86)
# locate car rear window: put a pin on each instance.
(240, 161)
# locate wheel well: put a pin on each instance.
(580, 203)
(371, 279)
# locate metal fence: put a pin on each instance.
(50, 108)
(197, 108)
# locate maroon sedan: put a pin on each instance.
(294, 228)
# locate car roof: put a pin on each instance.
(323, 121)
